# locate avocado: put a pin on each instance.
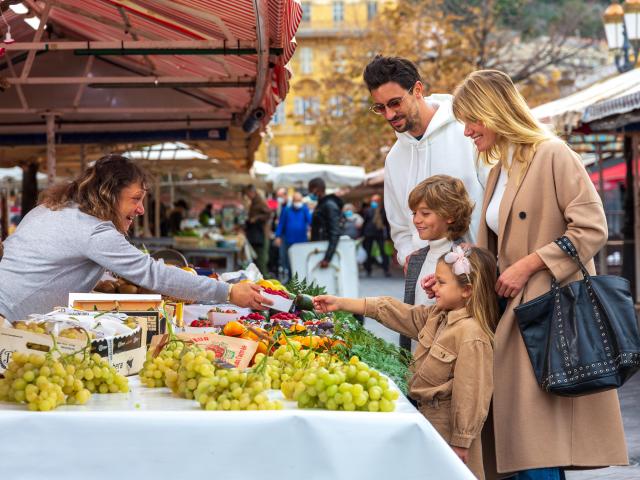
(304, 302)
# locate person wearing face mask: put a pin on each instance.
(374, 231)
(293, 226)
(326, 223)
(353, 221)
(78, 231)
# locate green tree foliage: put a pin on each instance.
(447, 39)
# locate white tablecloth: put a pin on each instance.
(150, 434)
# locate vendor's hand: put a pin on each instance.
(248, 295)
(326, 303)
(513, 279)
(277, 242)
(427, 283)
(463, 453)
(324, 263)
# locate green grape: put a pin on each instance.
(234, 389)
(195, 365)
(28, 379)
(156, 370)
(331, 384)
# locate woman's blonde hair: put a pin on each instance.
(97, 190)
(483, 302)
(448, 198)
(490, 98)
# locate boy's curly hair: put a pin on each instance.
(447, 197)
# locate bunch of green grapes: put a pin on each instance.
(131, 322)
(154, 371)
(97, 374)
(341, 386)
(77, 334)
(37, 381)
(34, 327)
(291, 358)
(235, 389)
(195, 365)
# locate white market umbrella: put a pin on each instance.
(299, 174)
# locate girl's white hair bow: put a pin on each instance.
(458, 258)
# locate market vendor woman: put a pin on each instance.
(78, 231)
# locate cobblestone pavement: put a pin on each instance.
(629, 394)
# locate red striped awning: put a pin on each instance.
(180, 20)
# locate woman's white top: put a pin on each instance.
(493, 209)
(437, 248)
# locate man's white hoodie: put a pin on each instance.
(442, 150)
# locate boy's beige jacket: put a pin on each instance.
(534, 429)
(452, 368)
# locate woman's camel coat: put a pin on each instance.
(532, 428)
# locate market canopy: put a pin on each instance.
(374, 178)
(299, 174)
(123, 72)
(568, 113)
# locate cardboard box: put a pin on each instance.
(149, 307)
(235, 351)
(125, 352)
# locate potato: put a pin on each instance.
(128, 289)
(105, 286)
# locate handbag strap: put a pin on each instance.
(567, 247)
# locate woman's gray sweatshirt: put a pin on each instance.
(53, 253)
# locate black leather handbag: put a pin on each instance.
(581, 338)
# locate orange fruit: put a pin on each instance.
(249, 335)
(233, 329)
(262, 348)
(338, 342)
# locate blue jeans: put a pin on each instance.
(554, 473)
(284, 261)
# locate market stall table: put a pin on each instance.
(150, 434)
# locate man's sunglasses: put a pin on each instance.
(393, 104)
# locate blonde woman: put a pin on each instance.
(78, 231)
(537, 191)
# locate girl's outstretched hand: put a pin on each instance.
(326, 303)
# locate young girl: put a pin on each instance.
(453, 362)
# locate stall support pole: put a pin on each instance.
(635, 160)
(51, 149)
(4, 216)
(83, 158)
(29, 187)
(172, 191)
(156, 232)
(146, 231)
(602, 257)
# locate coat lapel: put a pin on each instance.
(516, 179)
(483, 229)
